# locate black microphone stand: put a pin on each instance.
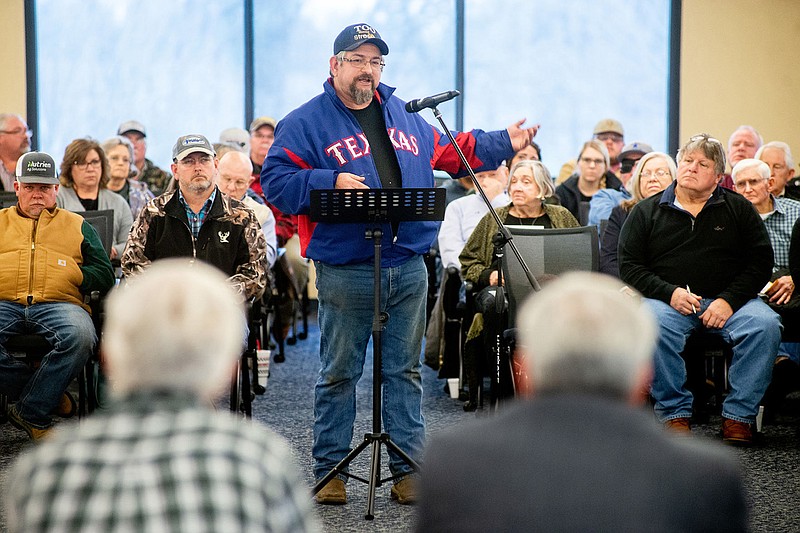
(505, 235)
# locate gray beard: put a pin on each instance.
(360, 96)
(198, 187)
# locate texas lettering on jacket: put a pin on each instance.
(357, 146)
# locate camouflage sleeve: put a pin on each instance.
(253, 277)
(134, 260)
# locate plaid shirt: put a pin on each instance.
(779, 225)
(158, 463)
(196, 219)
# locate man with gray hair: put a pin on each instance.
(778, 157)
(15, 140)
(160, 458)
(235, 177)
(580, 435)
(700, 254)
(742, 144)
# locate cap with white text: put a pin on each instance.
(189, 144)
(36, 167)
(354, 36)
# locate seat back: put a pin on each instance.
(7, 199)
(103, 223)
(546, 251)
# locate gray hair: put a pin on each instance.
(117, 140)
(712, 148)
(541, 176)
(779, 145)
(176, 326)
(565, 334)
(5, 117)
(750, 129)
(748, 164)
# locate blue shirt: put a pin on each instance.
(196, 219)
(779, 225)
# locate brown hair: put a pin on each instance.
(76, 152)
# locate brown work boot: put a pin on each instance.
(737, 433)
(18, 422)
(405, 491)
(678, 425)
(333, 493)
(67, 406)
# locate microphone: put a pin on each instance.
(415, 106)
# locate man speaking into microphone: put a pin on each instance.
(358, 135)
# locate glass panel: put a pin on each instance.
(294, 41)
(567, 68)
(177, 67)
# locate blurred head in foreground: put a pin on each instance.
(174, 327)
(570, 345)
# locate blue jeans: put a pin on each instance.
(345, 322)
(69, 330)
(754, 331)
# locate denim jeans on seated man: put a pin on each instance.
(69, 330)
(345, 321)
(754, 332)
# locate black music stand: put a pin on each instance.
(374, 207)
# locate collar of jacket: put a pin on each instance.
(668, 196)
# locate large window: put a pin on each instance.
(178, 66)
(567, 65)
(294, 41)
(174, 66)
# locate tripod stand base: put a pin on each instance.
(374, 441)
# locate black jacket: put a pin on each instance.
(724, 252)
(570, 196)
(230, 239)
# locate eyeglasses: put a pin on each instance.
(192, 161)
(589, 161)
(659, 174)
(96, 163)
(18, 131)
(238, 183)
(616, 137)
(359, 62)
(704, 137)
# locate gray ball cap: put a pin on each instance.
(36, 167)
(189, 144)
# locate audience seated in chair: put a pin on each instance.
(199, 222)
(63, 264)
(593, 174)
(460, 219)
(700, 254)
(653, 174)
(582, 454)
(753, 180)
(529, 185)
(161, 458)
(122, 174)
(84, 179)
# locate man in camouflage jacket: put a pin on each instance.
(198, 221)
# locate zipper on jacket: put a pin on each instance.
(32, 260)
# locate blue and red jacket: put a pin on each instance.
(322, 138)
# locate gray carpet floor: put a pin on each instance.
(771, 469)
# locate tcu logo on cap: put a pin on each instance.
(364, 28)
